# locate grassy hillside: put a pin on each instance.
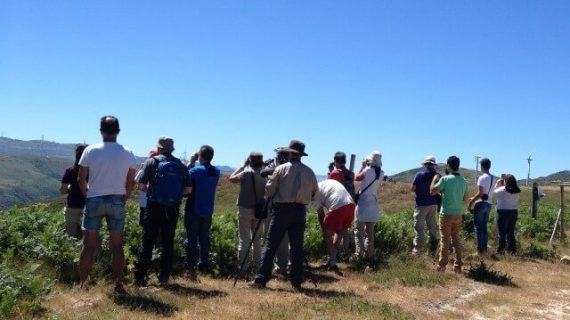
(38, 266)
(28, 178)
(562, 176)
(408, 175)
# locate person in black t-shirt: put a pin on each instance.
(75, 200)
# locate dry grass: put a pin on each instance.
(403, 289)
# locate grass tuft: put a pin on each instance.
(410, 272)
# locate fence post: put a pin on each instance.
(562, 235)
(352, 162)
(534, 199)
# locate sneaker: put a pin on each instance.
(256, 285)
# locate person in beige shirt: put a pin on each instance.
(292, 186)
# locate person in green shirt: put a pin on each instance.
(453, 189)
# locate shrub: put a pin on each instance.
(22, 290)
(539, 251)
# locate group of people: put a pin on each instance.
(447, 194)
(274, 195)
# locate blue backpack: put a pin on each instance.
(168, 185)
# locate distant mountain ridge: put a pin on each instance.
(31, 170)
(561, 176)
(408, 175)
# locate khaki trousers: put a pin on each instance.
(450, 233)
(73, 221)
(246, 227)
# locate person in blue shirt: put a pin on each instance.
(426, 206)
(199, 209)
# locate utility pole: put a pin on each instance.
(477, 158)
(529, 160)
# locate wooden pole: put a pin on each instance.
(352, 162)
(562, 235)
(534, 199)
(555, 227)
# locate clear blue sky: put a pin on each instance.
(406, 78)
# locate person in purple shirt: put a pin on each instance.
(426, 206)
(75, 200)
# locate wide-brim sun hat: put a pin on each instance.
(296, 146)
(429, 160)
(166, 144)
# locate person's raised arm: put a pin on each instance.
(273, 182)
(435, 185)
(361, 173)
(82, 179)
(235, 177)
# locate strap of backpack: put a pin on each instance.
(371, 183)
(254, 188)
(491, 185)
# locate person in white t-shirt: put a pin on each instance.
(367, 208)
(480, 205)
(508, 195)
(111, 171)
(340, 206)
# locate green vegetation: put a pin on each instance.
(29, 178)
(35, 253)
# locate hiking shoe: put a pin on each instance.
(336, 270)
(457, 270)
(256, 285)
(440, 269)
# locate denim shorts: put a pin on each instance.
(112, 207)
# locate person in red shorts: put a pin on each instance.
(335, 223)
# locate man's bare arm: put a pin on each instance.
(82, 179)
(130, 183)
(478, 196)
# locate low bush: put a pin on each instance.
(22, 289)
(539, 251)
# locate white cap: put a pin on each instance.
(429, 160)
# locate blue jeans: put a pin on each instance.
(506, 222)
(287, 218)
(480, 220)
(198, 234)
(110, 207)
